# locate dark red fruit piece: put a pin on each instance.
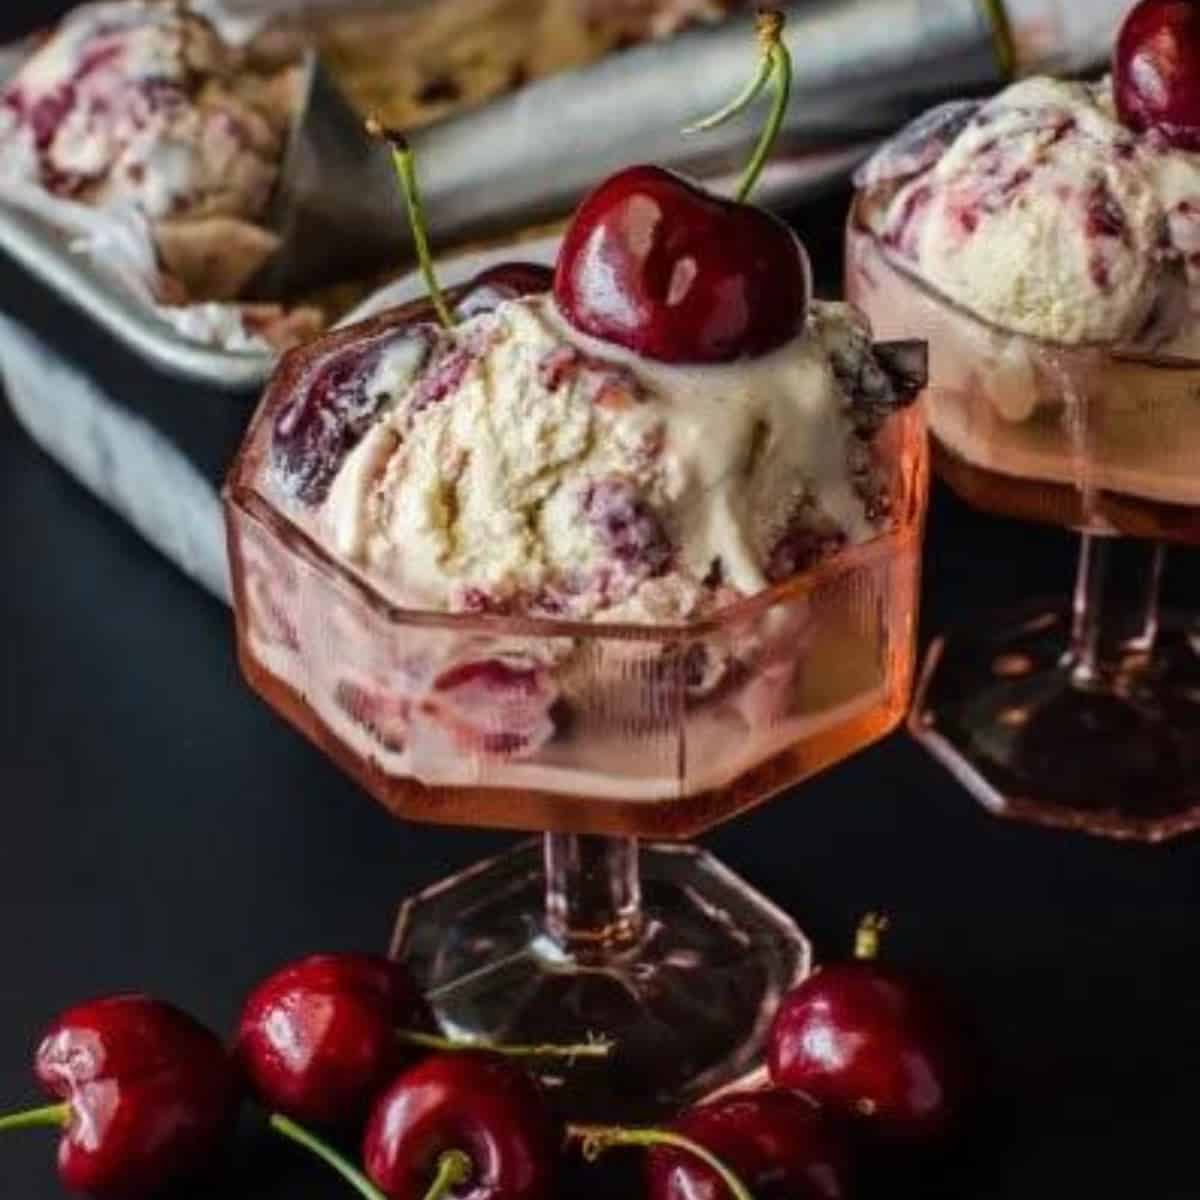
(332, 411)
(318, 1040)
(1156, 70)
(151, 1095)
(329, 403)
(872, 1043)
(477, 1104)
(653, 263)
(628, 526)
(779, 1145)
(918, 146)
(508, 281)
(495, 706)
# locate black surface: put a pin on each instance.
(162, 830)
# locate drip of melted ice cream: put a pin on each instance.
(515, 465)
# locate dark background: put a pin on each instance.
(162, 830)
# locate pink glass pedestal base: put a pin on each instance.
(657, 948)
(1003, 707)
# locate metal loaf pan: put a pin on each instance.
(149, 421)
(862, 67)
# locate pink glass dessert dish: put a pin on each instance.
(613, 553)
(1047, 251)
(600, 732)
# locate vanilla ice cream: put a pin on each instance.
(1070, 248)
(139, 103)
(1041, 213)
(516, 465)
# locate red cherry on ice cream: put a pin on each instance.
(655, 264)
(1156, 70)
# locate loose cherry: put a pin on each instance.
(779, 1143)
(320, 1038)
(471, 1125)
(147, 1096)
(1156, 70)
(655, 264)
(874, 1044)
(478, 1127)
(507, 281)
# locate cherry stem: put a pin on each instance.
(866, 940)
(776, 68)
(596, 1048)
(406, 171)
(54, 1116)
(594, 1140)
(1002, 36)
(288, 1128)
(453, 1170)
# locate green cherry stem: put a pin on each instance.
(406, 171)
(594, 1140)
(1003, 41)
(54, 1116)
(453, 1170)
(288, 1129)
(868, 936)
(775, 67)
(597, 1048)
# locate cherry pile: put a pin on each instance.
(146, 1097)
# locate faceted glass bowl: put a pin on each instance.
(599, 735)
(1084, 436)
(580, 728)
(1081, 713)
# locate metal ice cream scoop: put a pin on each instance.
(862, 68)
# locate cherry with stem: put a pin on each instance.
(876, 1044)
(710, 279)
(485, 1121)
(404, 161)
(145, 1096)
(320, 1038)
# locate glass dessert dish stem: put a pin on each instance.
(593, 894)
(1116, 612)
(656, 949)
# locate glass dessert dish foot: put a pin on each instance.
(1085, 714)
(656, 949)
(1063, 720)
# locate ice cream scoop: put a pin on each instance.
(515, 464)
(140, 106)
(1043, 214)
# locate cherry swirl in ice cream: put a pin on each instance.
(513, 464)
(663, 426)
(1042, 213)
(140, 104)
